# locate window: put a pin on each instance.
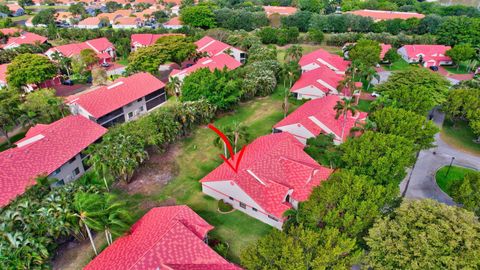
(141, 108)
(242, 205)
(140, 99)
(72, 160)
(57, 171)
(272, 217)
(254, 209)
(130, 114)
(76, 171)
(59, 183)
(230, 198)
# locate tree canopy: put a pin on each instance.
(198, 16)
(45, 16)
(464, 104)
(43, 106)
(383, 157)
(30, 68)
(461, 53)
(467, 192)
(406, 124)
(366, 52)
(425, 234)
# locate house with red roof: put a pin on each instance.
(102, 46)
(23, 38)
(427, 55)
(219, 62)
(144, 40)
(282, 11)
(316, 117)
(274, 175)
(384, 49)
(213, 47)
(53, 150)
(170, 237)
(320, 58)
(173, 23)
(90, 23)
(127, 23)
(16, 10)
(30, 87)
(124, 100)
(316, 83)
(380, 15)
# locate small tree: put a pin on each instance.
(198, 16)
(99, 76)
(366, 52)
(43, 106)
(461, 53)
(342, 108)
(391, 56)
(467, 192)
(9, 111)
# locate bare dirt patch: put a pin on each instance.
(155, 173)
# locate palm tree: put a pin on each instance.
(364, 126)
(236, 133)
(293, 53)
(173, 86)
(292, 218)
(88, 210)
(64, 62)
(342, 108)
(117, 217)
(290, 70)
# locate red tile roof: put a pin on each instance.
(10, 31)
(44, 149)
(271, 166)
(90, 21)
(14, 7)
(215, 62)
(332, 59)
(211, 46)
(24, 38)
(99, 45)
(323, 110)
(175, 21)
(385, 49)
(286, 11)
(148, 39)
(386, 15)
(312, 77)
(429, 52)
(127, 21)
(121, 92)
(164, 238)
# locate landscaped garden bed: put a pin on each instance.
(455, 174)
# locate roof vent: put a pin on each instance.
(114, 85)
(30, 140)
(207, 61)
(256, 177)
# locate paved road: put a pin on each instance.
(422, 183)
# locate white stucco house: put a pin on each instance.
(316, 83)
(274, 175)
(213, 47)
(320, 58)
(427, 55)
(316, 117)
(124, 100)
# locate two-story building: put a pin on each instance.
(213, 47)
(124, 100)
(54, 150)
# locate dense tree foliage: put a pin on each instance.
(461, 53)
(219, 88)
(9, 111)
(383, 157)
(280, 36)
(464, 104)
(406, 124)
(458, 30)
(467, 192)
(45, 17)
(198, 16)
(365, 52)
(347, 202)
(43, 106)
(234, 19)
(417, 90)
(30, 69)
(425, 234)
(324, 151)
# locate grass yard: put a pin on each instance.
(455, 174)
(460, 135)
(46, 7)
(20, 18)
(463, 69)
(123, 61)
(198, 156)
(398, 65)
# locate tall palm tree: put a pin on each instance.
(237, 134)
(88, 210)
(342, 108)
(64, 62)
(370, 73)
(290, 72)
(293, 53)
(117, 218)
(174, 85)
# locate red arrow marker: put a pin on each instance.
(224, 138)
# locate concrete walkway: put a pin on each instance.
(422, 179)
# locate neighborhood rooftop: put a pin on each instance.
(169, 237)
(44, 149)
(386, 15)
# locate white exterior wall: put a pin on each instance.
(125, 26)
(309, 92)
(88, 26)
(222, 190)
(403, 53)
(134, 107)
(66, 172)
(174, 27)
(76, 109)
(236, 54)
(299, 131)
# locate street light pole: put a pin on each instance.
(450, 166)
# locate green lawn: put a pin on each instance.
(122, 61)
(463, 69)
(400, 64)
(4, 146)
(198, 156)
(46, 7)
(455, 174)
(460, 135)
(20, 18)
